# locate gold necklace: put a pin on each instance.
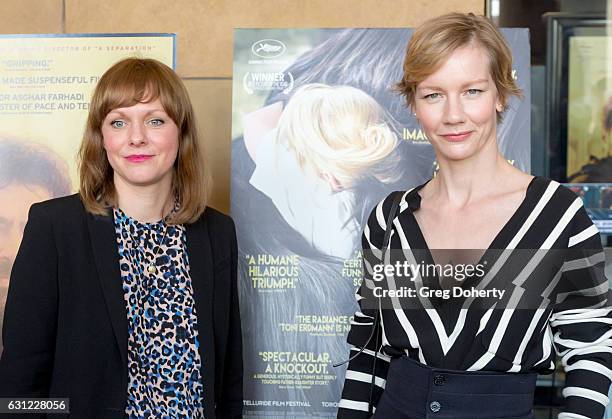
(150, 266)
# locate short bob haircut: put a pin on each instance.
(436, 39)
(128, 82)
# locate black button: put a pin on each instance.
(435, 406)
(439, 380)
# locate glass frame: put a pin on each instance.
(560, 28)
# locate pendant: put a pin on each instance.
(151, 269)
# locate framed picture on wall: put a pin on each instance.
(579, 109)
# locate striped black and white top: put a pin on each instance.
(575, 325)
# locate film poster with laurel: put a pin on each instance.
(300, 198)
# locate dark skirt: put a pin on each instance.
(416, 391)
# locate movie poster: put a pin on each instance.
(589, 111)
(45, 86)
(319, 137)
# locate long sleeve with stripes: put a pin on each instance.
(549, 261)
(358, 381)
(581, 321)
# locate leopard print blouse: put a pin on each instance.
(163, 359)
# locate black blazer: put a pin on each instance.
(65, 322)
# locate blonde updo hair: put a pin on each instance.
(339, 131)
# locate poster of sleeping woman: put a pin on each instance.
(319, 136)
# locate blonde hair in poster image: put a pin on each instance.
(339, 133)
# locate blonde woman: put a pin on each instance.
(470, 358)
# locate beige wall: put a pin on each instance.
(204, 39)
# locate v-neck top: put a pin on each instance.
(572, 317)
(419, 237)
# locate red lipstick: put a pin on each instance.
(138, 158)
